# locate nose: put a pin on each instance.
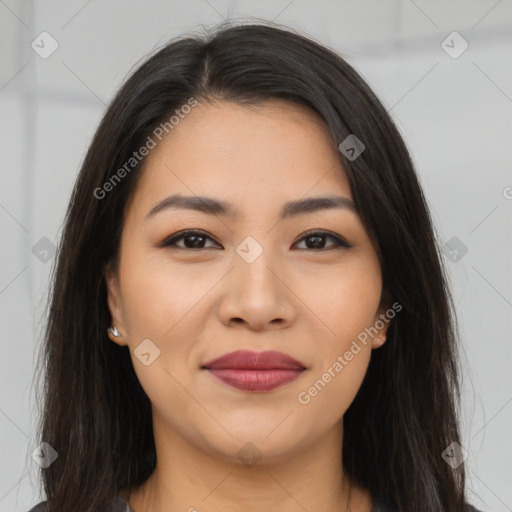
(255, 295)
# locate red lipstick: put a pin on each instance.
(255, 371)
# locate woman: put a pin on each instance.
(249, 308)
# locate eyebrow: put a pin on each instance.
(212, 206)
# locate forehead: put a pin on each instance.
(253, 155)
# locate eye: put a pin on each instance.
(316, 239)
(196, 239)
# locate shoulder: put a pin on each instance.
(379, 507)
(470, 508)
(40, 507)
(119, 506)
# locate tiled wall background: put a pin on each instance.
(454, 110)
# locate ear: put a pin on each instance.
(114, 303)
(381, 322)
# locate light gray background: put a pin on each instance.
(454, 113)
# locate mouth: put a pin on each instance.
(255, 380)
(255, 371)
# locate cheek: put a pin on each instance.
(346, 302)
(335, 380)
(339, 368)
(165, 302)
(346, 298)
(159, 295)
(330, 394)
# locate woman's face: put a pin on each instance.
(251, 280)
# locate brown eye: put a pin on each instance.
(317, 239)
(193, 239)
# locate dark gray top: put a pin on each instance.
(122, 506)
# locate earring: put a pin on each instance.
(113, 330)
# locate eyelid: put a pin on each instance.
(170, 241)
(324, 232)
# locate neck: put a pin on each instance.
(193, 479)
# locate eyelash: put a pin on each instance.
(171, 241)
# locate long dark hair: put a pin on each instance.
(97, 416)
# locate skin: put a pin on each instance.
(197, 304)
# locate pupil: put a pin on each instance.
(317, 238)
(194, 244)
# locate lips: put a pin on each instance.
(255, 371)
(249, 360)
